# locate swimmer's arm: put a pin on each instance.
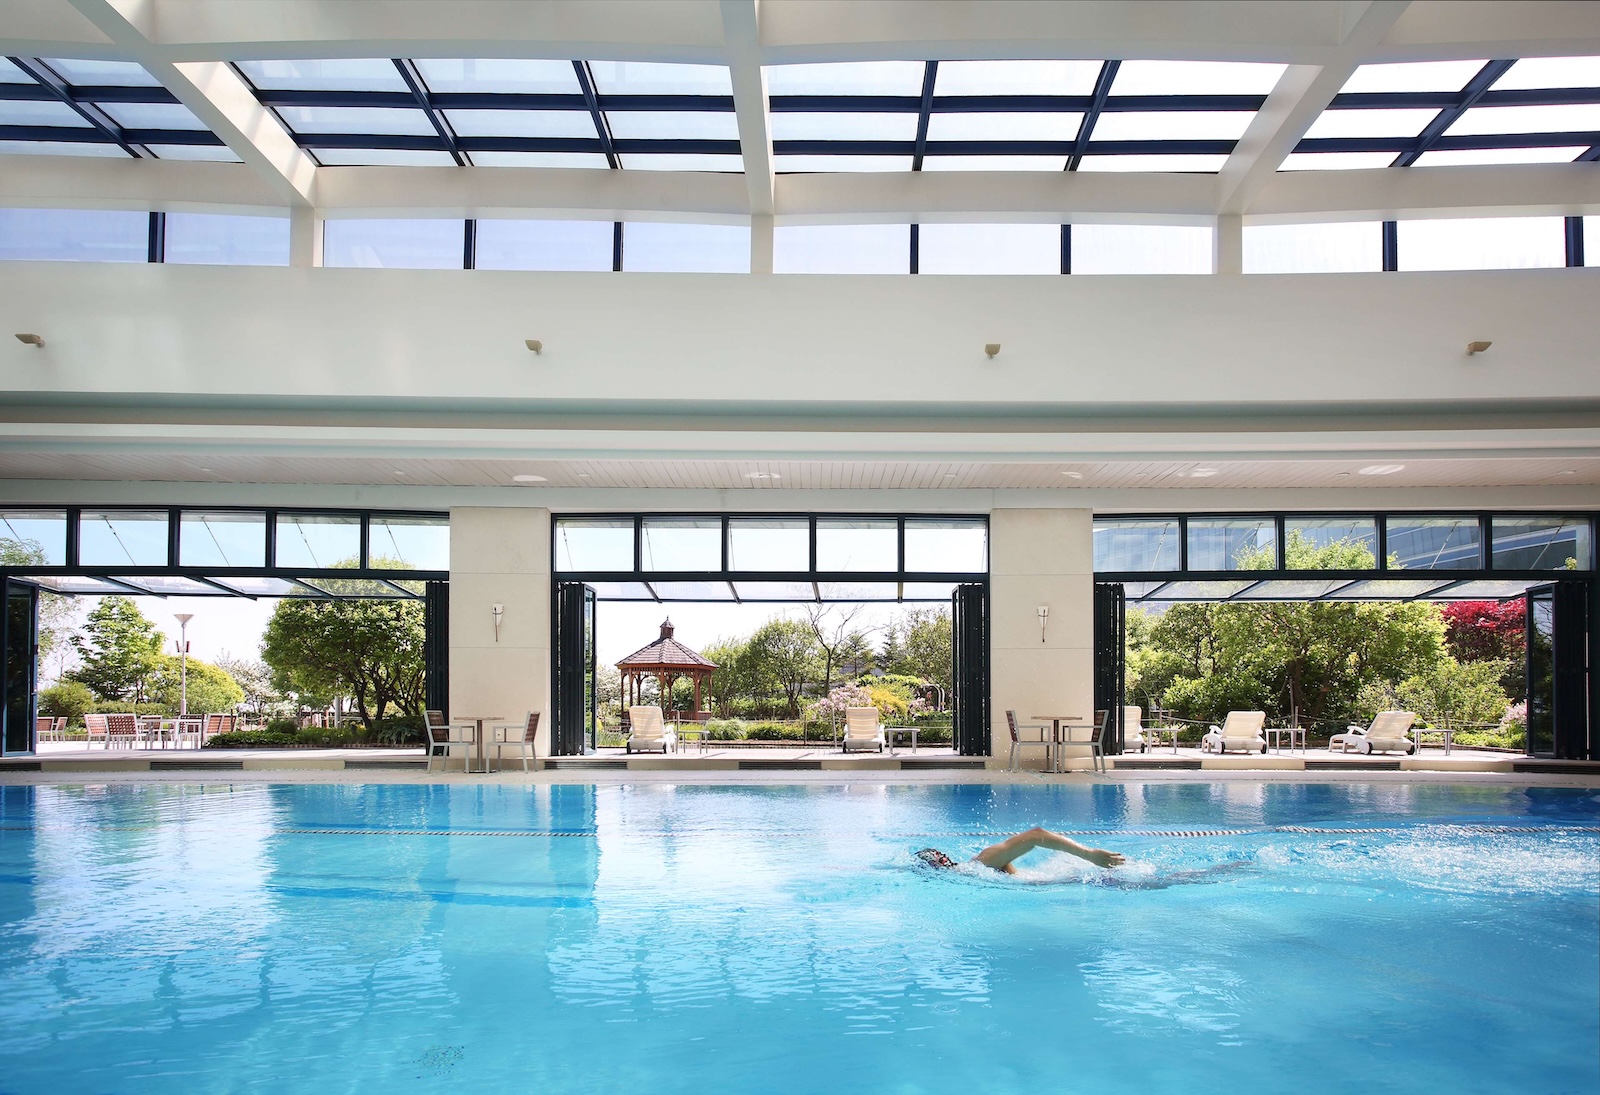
(1000, 856)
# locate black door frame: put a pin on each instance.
(572, 671)
(19, 669)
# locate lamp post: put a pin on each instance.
(183, 619)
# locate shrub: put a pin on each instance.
(282, 726)
(935, 735)
(398, 730)
(69, 699)
(726, 730)
(776, 731)
(251, 739)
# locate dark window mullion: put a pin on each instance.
(419, 91)
(929, 74)
(1066, 248)
(1391, 246)
(1097, 103)
(601, 126)
(1574, 241)
(156, 248)
(469, 244)
(1475, 89)
(616, 246)
(916, 248)
(48, 78)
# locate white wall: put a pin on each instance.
(1039, 557)
(500, 556)
(366, 337)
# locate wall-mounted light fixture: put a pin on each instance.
(535, 345)
(32, 340)
(991, 349)
(1044, 618)
(1477, 347)
(499, 614)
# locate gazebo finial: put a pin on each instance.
(666, 628)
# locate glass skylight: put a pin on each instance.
(1195, 78)
(500, 76)
(1450, 157)
(652, 78)
(847, 78)
(994, 163)
(1176, 162)
(342, 119)
(1412, 76)
(367, 74)
(673, 125)
(1569, 118)
(681, 161)
(843, 126)
(1532, 73)
(1016, 78)
(1335, 161)
(384, 157)
(521, 123)
(996, 126)
(116, 109)
(1172, 125)
(539, 159)
(1372, 123)
(796, 164)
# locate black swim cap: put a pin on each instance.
(933, 857)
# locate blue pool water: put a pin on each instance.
(656, 939)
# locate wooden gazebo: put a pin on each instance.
(666, 660)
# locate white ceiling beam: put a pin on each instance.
(1460, 28)
(218, 97)
(1302, 94)
(741, 26)
(1509, 190)
(891, 197)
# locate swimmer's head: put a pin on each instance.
(933, 857)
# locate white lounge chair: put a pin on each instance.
(648, 733)
(1387, 733)
(1133, 737)
(862, 729)
(1241, 730)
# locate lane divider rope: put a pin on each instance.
(1311, 830)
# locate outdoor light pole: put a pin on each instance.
(183, 619)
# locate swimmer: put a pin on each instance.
(1001, 856)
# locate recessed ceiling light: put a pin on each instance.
(1202, 473)
(1073, 474)
(1568, 472)
(1381, 469)
(208, 471)
(762, 475)
(529, 478)
(397, 471)
(1341, 475)
(583, 475)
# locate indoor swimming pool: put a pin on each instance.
(659, 938)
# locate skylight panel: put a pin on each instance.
(1485, 120)
(500, 76)
(1412, 76)
(340, 119)
(1195, 78)
(11, 74)
(539, 159)
(847, 78)
(1371, 123)
(681, 161)
(1172, 125)
(656, 78)
(1016, 77)
(96, 73)
(522, 123)
(995, 163)
(152, 115)
(40, 112)
(843, 126)
(1336, 161)
(60, 148)
(1451, 157)
(673, 125)
(1168, 162)
(365, 74)
(215, 153)
(383, 157)
(808, 164)
(1003, 126)
(1535, 73)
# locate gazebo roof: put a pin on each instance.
(666, 653)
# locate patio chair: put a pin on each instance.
(1388, 732)
(521, 738)
(1133, 736)
(1018, 741)
(1241, 730)
(95, 726)
(441, 743)
(647, 732)
(50, 729)
(123, 730)
(863, 729)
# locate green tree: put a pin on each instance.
(728, 683)
(923, 648)
(371, 651)
(55, 611)
(830, 626)
(782, 656)
(1456, 695)
(255, 679)
(211, 689)
(120, 651)
(69, 699)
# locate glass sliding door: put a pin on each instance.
(19, 661)
(1110, 665)
(1541, 671)
(574, 732)
(969, 634)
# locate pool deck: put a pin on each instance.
(70, 762)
